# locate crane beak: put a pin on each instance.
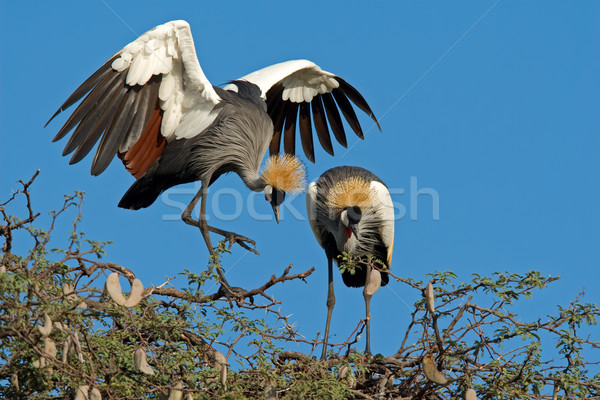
(354, 229)
(276, 212)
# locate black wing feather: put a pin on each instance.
(98, 97)
(306, 132)
(104, 112)
(86, 86)
(148, 95)
(348, 111)
(109, 145)
(277, 114)
(274, 95)
(334, 119)
(85, 106)
(289, 131)
(357, 99)
(325, 109)
(321, 124)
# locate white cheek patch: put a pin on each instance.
(344, 218)
(268, 193)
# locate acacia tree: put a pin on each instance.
(68, 331)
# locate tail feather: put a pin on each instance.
(141, 194)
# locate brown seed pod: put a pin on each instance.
(430, 298)
(82, 393)
(49, 347)
(95, 394)
(431, 371)
(470, 394)
(223, 376)
(46, 330)
(343, 372)
(220, 363)
(78, 347)
(347, 374)
(373, 282)
(69, 292)
(66, 349)
(140, 362)
(41, 363)
(270, 391)
(219, 360)
(113, 287)
(176, 392)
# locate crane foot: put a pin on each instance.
(241, 240)
(233, 238)
(236, 294)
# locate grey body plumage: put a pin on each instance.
(236, 141)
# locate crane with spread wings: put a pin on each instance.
(152, 106)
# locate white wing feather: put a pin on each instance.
(169, 50)
(301, 79)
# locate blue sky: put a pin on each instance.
(491, 105)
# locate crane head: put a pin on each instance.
(275, 197)
(282, 174)
(350, 218)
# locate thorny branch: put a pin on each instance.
(194, 339)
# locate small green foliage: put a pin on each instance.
(350, 263)
(180, 329)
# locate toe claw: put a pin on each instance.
(243, 241)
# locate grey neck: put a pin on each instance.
(253, 181)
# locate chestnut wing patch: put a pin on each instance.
(148, 148)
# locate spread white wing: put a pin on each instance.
(149, 92)
(295, 91)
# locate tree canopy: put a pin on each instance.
(68, 331)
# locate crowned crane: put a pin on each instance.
(350, 211)
(153, 107)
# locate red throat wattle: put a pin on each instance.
(348, 232)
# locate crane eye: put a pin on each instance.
(268, 193)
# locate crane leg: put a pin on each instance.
(372, 283)
(204, 229)
(230, 236)
(330, 304)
